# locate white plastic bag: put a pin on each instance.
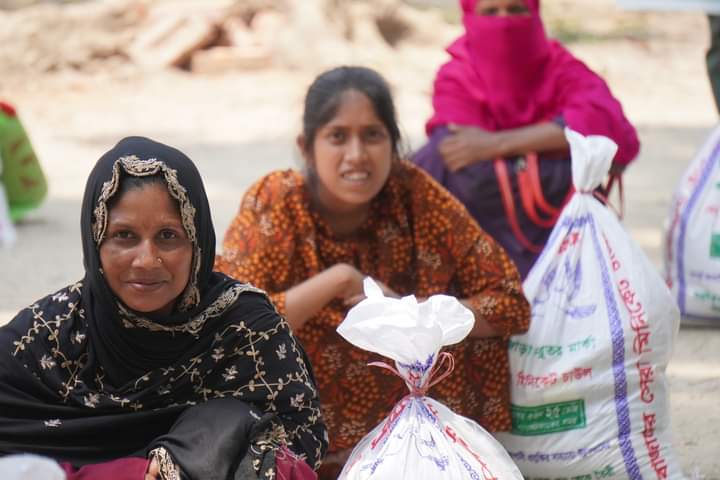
(29, 467)
(692, 237)
(589, 397)
(7, 230)
(421, 438)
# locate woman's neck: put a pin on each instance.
(343, 223)
(343, 219)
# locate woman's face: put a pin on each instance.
(146, 254)
(352, 156)
(501, 8)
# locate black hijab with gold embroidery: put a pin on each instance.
(128, 345)
(84, 379)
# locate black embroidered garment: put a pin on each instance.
(84, 379)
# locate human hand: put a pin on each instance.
(387, 291)
(349, 281)
(467, 145)
(351, 287)
(153, 471)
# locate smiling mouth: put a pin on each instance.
(355, 176)
(145, 286)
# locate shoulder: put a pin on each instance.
(569, 69)
(427, 196)
(252, 309)
(64, 301)
(56, 312)
(459, 57)
(439, 222)
(271, 206)
(275, 189)
(264, 230)
(457, 73)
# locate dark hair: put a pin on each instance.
(323, 101)
(131, 182)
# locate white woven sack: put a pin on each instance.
(589, 395)
(421, 439)
(692, 237)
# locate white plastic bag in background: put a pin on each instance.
(692, 237)
(589, 397)
(7, 229)
(29, 467)
(421, 439)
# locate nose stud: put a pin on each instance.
(159, 260)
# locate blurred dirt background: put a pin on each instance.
(224, 80)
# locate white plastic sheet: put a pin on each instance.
(589, 395)
(421, 438)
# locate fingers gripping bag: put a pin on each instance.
(692, 237)
(421, 438)
(588, 388)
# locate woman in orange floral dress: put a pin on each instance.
(309, 238)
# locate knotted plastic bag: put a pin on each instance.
(421, 438)
(588, 390)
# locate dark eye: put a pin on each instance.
(375, 134)
(337, 136)
(168, 234)
(490, 11)
(123, 235)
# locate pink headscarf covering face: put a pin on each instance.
(509, 55)
(505, 73)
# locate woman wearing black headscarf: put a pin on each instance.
(153, 358)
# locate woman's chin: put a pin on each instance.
(150, 308)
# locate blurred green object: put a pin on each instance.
(20, 171)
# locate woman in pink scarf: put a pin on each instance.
(507, 93)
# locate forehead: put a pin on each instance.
(132, 166)
(150, 196)
(354, 107)
(149, 199)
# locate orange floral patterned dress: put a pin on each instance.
(418, 240)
